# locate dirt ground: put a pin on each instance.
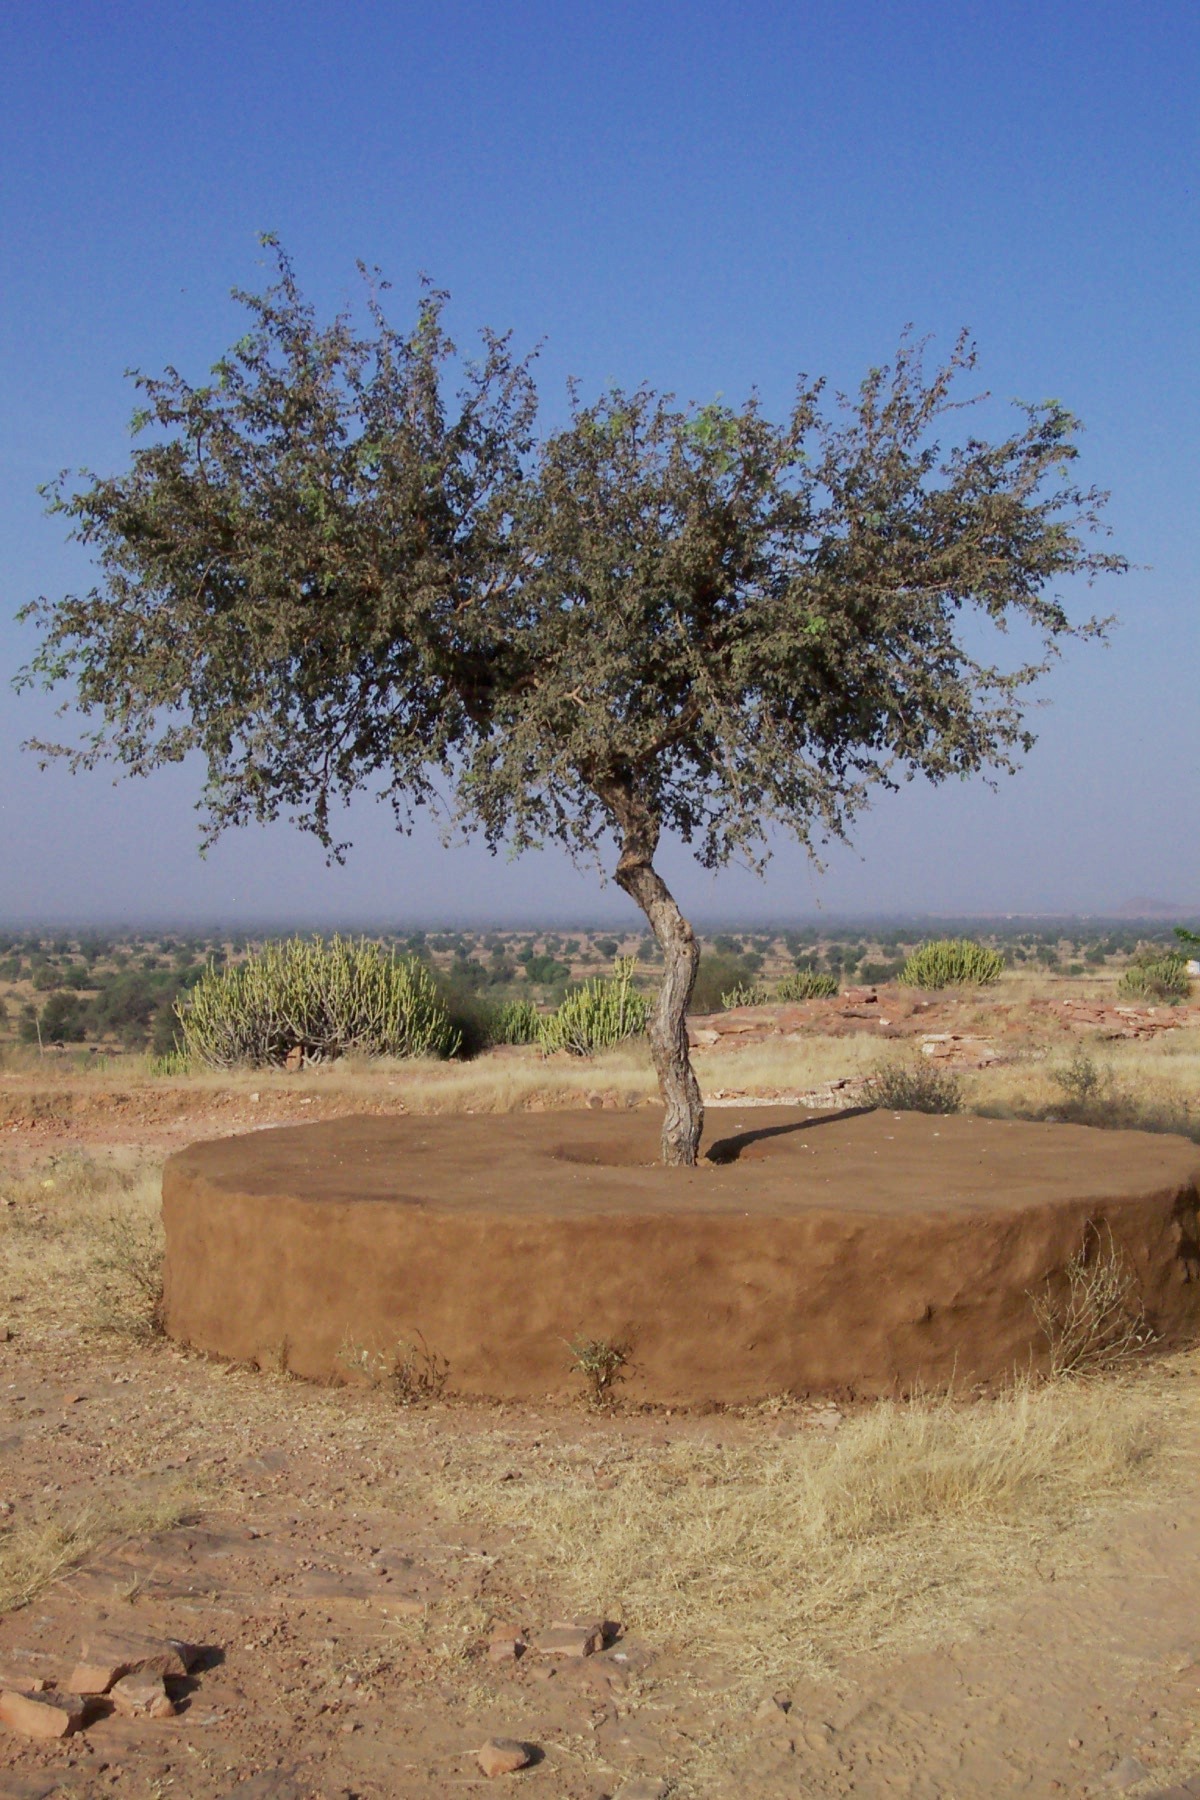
(942, 1603)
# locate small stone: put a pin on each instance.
(40, 1715)
(1126, 1774)
(503, 1756)
(1074, 1743)
(642, 1787)
(142, 1697)
(505, 1647)
(570, 1640)
(772, 1710)
(108, 1656)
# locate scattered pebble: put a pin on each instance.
(503, 1756)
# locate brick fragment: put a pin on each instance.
(503, 1756)
(142, 1697)
(108, 1656)
(40, 1715)
(570, 1640)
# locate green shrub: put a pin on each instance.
(807, 984)
(326, 999)
(597, 1015)
(952, 962)
(1157, 977)
(912, 1087)
(718, 975)
(875, 974)
(748, 993)
(518, 1022)
(63, 1020)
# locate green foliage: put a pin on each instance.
(719, 974)
(546, 970)
(63, 1020)
(601, 1362)
(916, 1086)
(807, 984)
(517, 1022)
(327, 999)
(952, 962)
(325, 568)
(1162, 978)
(598, 1015)
(749, 993)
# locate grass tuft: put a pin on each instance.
(793, 1552)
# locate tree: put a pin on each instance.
(329, 568)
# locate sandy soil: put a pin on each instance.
(345, 1601)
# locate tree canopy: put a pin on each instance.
(351, 560)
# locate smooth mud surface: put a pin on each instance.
(858, 1253)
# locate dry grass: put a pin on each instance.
(81, 1240)
(1149, 1086)
(787, 1065)
(790, 1553)
(37, 1551)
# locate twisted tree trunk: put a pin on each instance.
(683, 1118)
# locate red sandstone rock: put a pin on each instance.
(107, 1656)
(503, 1756)
(570, 1640)
(506, 1646)
(41, 1715)
(142, 1697)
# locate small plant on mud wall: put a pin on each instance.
(410, 1373)
(1093, 1319)
(952, 962)
(912, 1087)
(602, 1362)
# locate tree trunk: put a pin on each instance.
(683, 1119)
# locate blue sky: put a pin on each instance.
(703, 196)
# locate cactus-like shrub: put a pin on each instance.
(601, 1013)
(517, 1022)
(1163, 978)
(952, 962)
(807, 984)
(746, 993)
(323, 999)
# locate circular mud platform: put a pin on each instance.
(863, 1253)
